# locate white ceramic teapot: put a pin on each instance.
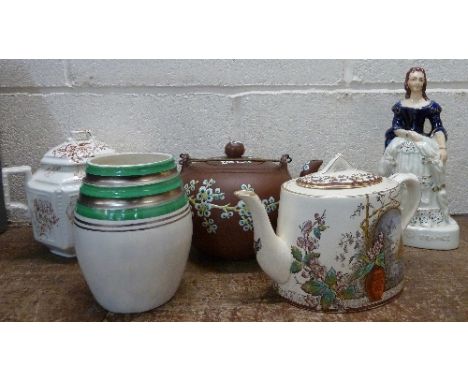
(53, 190)
(338, 244)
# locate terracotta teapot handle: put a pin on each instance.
(411, 199)
(311, 167)
(285, 159)
(184, 159)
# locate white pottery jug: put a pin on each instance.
(133, 230)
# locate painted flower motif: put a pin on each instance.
(320, 220)
(257, 245)
(227, 214)
(78, 153)
(70, 212)
(306, 227)
(301, 242)
(51, 170)
(189, 187)
(380, 197)
(376, 248)
(358, 210)
(367, 264)
(210, 225)
(358, 241)
(44, 216)
(245, 216)
(205, 194)
(331, 286)
(318, 271)
(365, 261)
(208, 183)
(326, 285)
(218, 195)
(270, 204)
(203, 209)
(202, 202)
(241, 206)
(306, 244)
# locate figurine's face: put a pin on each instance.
(416, 81)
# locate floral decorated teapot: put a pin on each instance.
(53, 189)
(338, 245)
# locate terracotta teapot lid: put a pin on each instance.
(234, 158)
(76, 150)
(339, 174)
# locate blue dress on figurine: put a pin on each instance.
(416, 144)
(414, 119)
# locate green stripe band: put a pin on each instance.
(144, 169)
(131, 191)
(132, 213)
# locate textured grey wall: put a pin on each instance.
(307, 108)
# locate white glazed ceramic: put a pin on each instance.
(133, 230)
(134, 266)
(53, 189)
(431, 227)
(338, 243)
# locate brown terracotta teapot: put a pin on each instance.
(222, 225)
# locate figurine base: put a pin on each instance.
(443, 237)
(63, 253)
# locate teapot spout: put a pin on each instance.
(273, 255)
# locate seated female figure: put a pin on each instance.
(416, 143)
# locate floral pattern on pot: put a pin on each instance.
(202, 204)
(51, 170)
(257, 245)
(365, 251)
(78, 153)
(44, 216)
(70, 211)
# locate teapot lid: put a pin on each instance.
(339, 174)
(76, 150)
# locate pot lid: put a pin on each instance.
(76, 150)
(339, 174)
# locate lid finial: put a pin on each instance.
(234, 149)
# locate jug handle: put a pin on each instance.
(410, 201)
(9, 204)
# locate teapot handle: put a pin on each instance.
(411, 199)
(310, 167)
(9, 204)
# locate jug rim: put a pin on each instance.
(130, 164)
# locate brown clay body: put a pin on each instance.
(222, 224)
